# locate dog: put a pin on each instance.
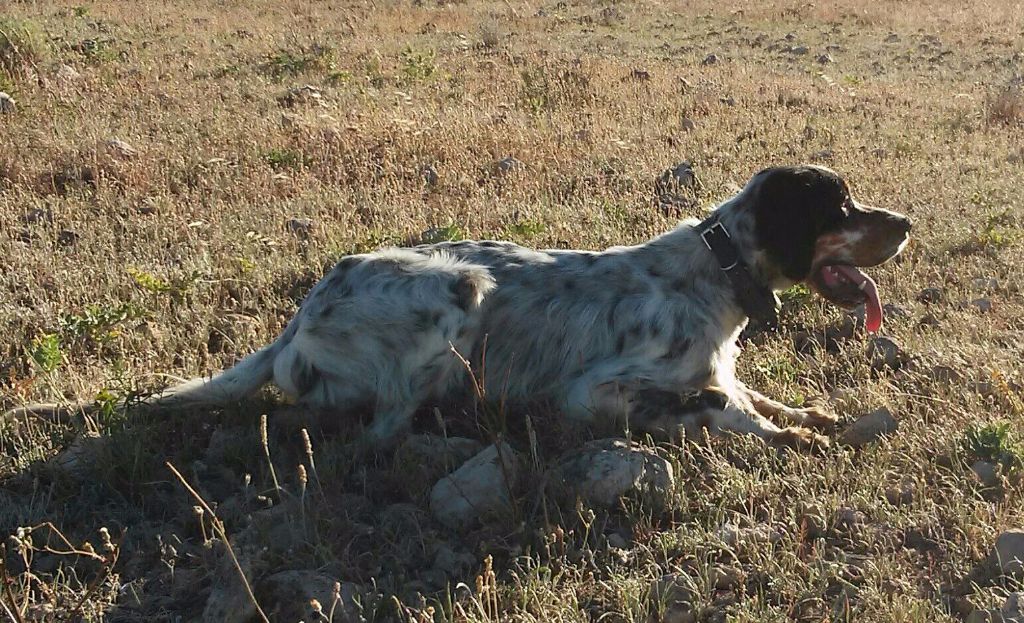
(643, 335)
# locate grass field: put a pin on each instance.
(170, 188)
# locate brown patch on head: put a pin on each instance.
(866, 237)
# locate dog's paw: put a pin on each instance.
(818, 418)
(801, 439)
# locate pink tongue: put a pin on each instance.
(872, 304)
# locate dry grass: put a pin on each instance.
(177, 257)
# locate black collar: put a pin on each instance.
(756, 299)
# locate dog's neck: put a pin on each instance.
(722, 253)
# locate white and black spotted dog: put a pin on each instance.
(644, 335)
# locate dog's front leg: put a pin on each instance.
(814, 417)
(670, 412)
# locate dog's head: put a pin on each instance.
(808, 228)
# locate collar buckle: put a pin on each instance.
(713, 230)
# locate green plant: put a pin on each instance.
(535, 90)
(22, 47)
(46, 352)
(994, 443)
(98, 323)
(418, 65)
(525, 229)
(176, 287)
(306, 59)
(443, 234)
(796, 296)
(283, 159)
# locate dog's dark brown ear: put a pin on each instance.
(792, 207)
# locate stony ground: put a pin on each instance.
(174, 177)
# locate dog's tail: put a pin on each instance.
(231, 385)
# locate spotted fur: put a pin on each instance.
(644, 334)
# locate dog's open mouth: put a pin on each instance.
(848, 287)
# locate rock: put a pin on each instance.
(508, 165)
(749, 537)
(617, 541)
(640, 75)
(811, 521)
(850, 518)
(300, 595)
(67, 237)
(892, 38)
(822, 156)
(672, 599)
(37, 216)
(1013, 608)
(710, 59)
(985, 616)
(290, 121)
(1010, 552)
(884, 352)
(986, 473)
(901, 494)
(825, 59)
(723, 577)
(945, 374)
(81, 456)
(893, 310)
(7, 104)
(930, 295)
(307, 95)
(477, 490)
(687, 124)
(679, 176)
(426, 458)
(604, 470)
(982, 305)
(66, 75)
(869, 428)
(983, 284)
(299, 227)
(452, 563)
(119, 149)
(799, 50)
(430, 175)
(229, 601)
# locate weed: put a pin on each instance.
(796, 296)
(443, 234)
(283, 159)
(23, 47)
(305, 60)
(994, 443)
(176, 287)
(418, 65)
(46, 352)
(525, 230)
(98, 323)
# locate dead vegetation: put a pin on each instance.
(172, 180)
